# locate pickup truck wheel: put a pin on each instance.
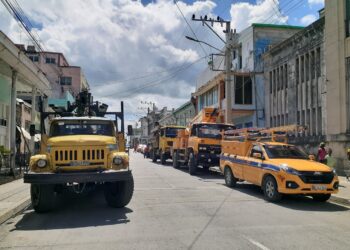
(176, 159)
(192, 165)
(162, 158)
(230, 180)
(118, 194)
(42, 197)
(321, 197)
(154, 156)
(270, 189)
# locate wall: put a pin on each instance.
(75, 73)
(5, 95)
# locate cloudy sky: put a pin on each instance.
(135, 50)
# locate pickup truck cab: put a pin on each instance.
(278, 168)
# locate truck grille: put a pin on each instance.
(216, 149)
(81, 154)
(312, 177)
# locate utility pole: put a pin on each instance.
(228, 58)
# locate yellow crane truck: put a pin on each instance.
(264, 158)
(200, 144)
(162, 140)
(81, 149)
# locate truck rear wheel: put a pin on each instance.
(176, 159)
(270, 189)
(192, 164)
(162, 158)
(230, 180)
(42, 197)
(321, 197)
(118, 194)
(154, 156)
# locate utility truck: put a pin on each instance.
(264, 158)
(200, 143)
(162, 140)
(81, 149)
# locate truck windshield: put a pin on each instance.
(172, 132)
(82, 127)
(285, 151)
(213, 130)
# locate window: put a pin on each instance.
(34, 58)
(50, 60)
(66, 80)
(243, 90)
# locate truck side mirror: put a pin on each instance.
(257, 155)
(130, 131)
(32, 130)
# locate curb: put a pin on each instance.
(19, 207)
(340, 200)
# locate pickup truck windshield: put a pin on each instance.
(172, 132)
(82, 127)
(284, 151)
(213, 130)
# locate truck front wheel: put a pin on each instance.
(270, 189)
(154, 156)
(118, 194)
(176, 159)
(42, 197)
(230, 180)
(162, 158)
(192, 164)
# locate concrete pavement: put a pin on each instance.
(173, 210)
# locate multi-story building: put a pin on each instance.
(62, 76)
(337, 94)
(295, 83)
(184, 114)
(247, 76)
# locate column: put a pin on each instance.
(33, 115)
(13, 119)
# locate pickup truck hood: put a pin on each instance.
(301, 165)
(83, 140)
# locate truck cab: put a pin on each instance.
(278, 168)
(162, 141)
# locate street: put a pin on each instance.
(172, 210)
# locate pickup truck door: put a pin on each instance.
(253, 167)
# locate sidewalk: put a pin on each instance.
(14, 197)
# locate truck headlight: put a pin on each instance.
(289, 170)
(112, 147)
(334, 171)
(117, 160)
(41, 163)
(203, 148)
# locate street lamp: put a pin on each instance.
(198, 41)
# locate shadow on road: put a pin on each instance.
(74, 211)
(296, 202)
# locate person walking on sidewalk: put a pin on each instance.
(321, 153)
(330, 159)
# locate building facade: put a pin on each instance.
(295, 83)
(184, 114)
(337, 57)
(247, 77)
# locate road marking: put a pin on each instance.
(258, 244)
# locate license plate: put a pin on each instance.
(79, 163)
(319, 187)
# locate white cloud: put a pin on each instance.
(316, 2)
(308, 19)
(114, 40)
(265, 11)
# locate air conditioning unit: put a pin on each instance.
(31, 48)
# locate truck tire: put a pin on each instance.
(321, 197)
(176, 159)
(270, 189)
(118, 194)
(230, 180)
(42, 197)
(154, 156)
(192, 164)
(162, 158)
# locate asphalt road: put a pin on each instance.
(172, 210)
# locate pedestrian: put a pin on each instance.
(321, 153)
(330, 159)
